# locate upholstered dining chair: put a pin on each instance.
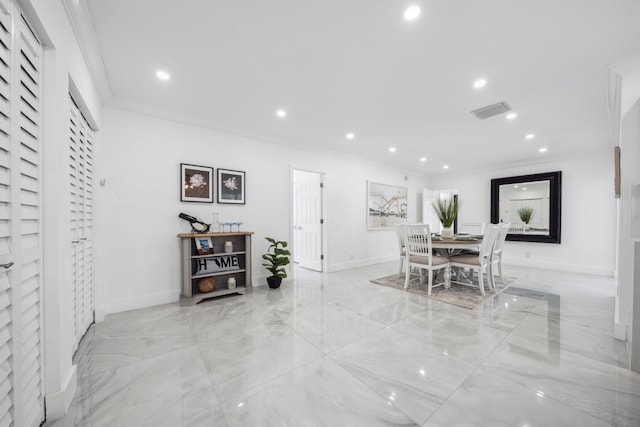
(496, 256)
(475, 228)
(419, 254)
(403, 255)
(480, 262)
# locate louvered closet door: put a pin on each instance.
(81, 185)
(21, 395)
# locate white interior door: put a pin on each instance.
(81, 216)
(307, 219)
(428, 214)
(21, 387)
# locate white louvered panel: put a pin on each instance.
(81, 174)
(6, 323)
(26, 194)
(74, 236)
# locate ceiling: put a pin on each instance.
(358, 66)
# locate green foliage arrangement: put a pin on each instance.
(277, 257)
(446, 209)
(526, 214)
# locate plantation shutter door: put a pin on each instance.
(21, 395)
(27, 237)
(81, 182)
(6, 327)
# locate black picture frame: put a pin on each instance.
(196, 183)
(555, 204)
(232, 186)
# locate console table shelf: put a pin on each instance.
(195, 267)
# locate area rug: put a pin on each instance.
(460, 295)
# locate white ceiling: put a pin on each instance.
(358, 66)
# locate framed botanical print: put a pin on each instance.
(196, 183)
(231, 186)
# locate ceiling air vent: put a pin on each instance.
(491, 110)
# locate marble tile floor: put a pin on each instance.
(335, 350)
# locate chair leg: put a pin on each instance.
(406, 276)
(430, 282)
(481, 282)
(500, 270)
(400, 271)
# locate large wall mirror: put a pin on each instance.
(531, 204)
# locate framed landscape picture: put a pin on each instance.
(386, 205)
(231, 186)
(196, 183)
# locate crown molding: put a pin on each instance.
(82, 24)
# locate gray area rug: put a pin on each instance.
(463, 296)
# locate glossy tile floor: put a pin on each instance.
(336, 350)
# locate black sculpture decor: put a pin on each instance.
(197, 226)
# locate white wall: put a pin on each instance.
(588, 213)
(140, 260)
(63, 63)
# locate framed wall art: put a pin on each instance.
(231, 186)
(196, 183)
(386, 205)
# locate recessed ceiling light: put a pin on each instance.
(392, 149)
(542, 150)
(516, 186)
(281, 113)
(163, 75)
(423, 159)
(480, 83)
(445, 167)
(351, 135)
(411, 13)
(511, 116)
(529, 136)
(524, 188)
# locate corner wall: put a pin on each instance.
(140, 202)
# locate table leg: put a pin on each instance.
(447, 277)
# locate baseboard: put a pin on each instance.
(548, 265)
(362, 263)
(620, 331)
(143, 301)
(57, 404)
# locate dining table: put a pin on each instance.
(454, 246)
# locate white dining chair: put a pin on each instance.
(496, 256)
(480, 263)
(403, 255)
(474, 228)
(419, 255)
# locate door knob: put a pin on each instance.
(7, 265)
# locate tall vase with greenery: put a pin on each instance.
(526, 214)
(277, 257)
(447, 210)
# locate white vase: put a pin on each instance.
(447, 233)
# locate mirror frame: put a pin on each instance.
(555, 204)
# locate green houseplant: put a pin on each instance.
(277, 257)
(447, 210)
(526, 214)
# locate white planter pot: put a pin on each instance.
(447, 233)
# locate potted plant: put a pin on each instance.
(277, 257)
(526, 215)
(447, 210)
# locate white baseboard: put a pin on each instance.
(549, 265)
(57, 404)
(143, 301)
(362, 263)
(620, 331)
